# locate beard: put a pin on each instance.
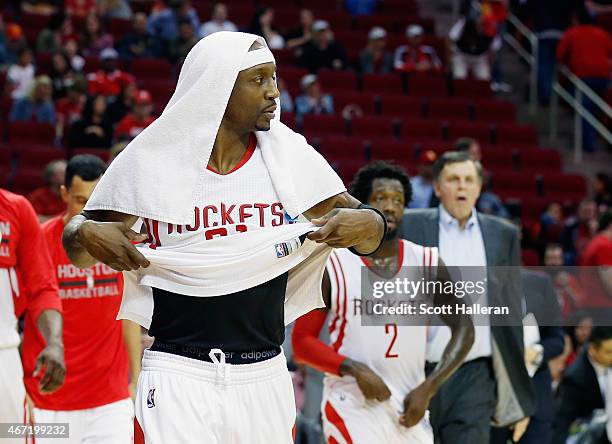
(391, 234)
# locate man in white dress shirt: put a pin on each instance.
(492, 386)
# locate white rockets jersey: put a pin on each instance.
(396, 353)
(241, 200)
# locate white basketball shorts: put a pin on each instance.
(188, 401)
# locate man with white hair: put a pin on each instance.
(219, 182)
(415, 56)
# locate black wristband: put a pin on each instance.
(367, 207)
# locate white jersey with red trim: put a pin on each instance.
(396, 353)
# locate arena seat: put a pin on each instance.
(471, 88)
(397, 105)
(365, 101)
(26, 180)
(514, 184)
(151, 68)
(447, 108)
(373, 127)
(540, 160)
(119, 28)
(564, 187)
(31, 132)
(479, 131)
(389, 149)
(382, 83)
(494, 111)
(292, 76)
(342, 148)
(530, 258)
(332, 80)
(38, 156)
(420, 85)
(516, 134)
(289, 119)
(421, 130)
(323, 125)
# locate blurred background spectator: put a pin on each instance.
(47, 201)
(138, 42)
(136, 121)
(422, 184)
(374, 58)
(58, 31)
(263, 25)
(164, 24)
(93, 130)
(322, 51)
(109, 80)
(21, 75)
(62, 75)
(313, 100)
(218, 21)
(37, 106)
(182, 44)
(93, 38)
(302, 33)
(602, 187)
(114, 9)
(415, 56)
(121, 104)
(286, 101)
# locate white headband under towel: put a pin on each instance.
(257, 57)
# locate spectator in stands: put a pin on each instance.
(138, 42)
(114, 9)
(322, 51)
(586, 49)
(218, 21)
(286, 102)
(109, 80)
(37, 106)
(585, 385)
(140, 117)
(489, 202)
(20, 76)
(551, 223)
(550, 19)
(70, 108)
(164, 24)
(313, 101)
(579, 229)
(80, 8)
(374, 58)
(119, 106)
(94, 40)
(422, 184)
(360, 7)
(93, 130)
(602, 186)
(47, 201)
(470, 145)
(42, 7)
(55, 34)
(474, 38)
(182, 44)
(262, 24)
(15, 42)
(569, 291)
(62, 75)
(598, 253)
(303, 33)
(71, 49)
(580, 326)
(4, 54)
(415, 56)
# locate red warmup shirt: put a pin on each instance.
(129, 126)
(597, 253)
(26, 271)
(108, 84)
(587, 51)
(45, 202)
(96, 357)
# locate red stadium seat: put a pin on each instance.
(5, 172)
(421, 130)
(92, 64)
(514, 184)
(530, 258)
(331, 80)
(372, 127)
(292, 77)
(540, 160)
(397, 105)
(27, 179)
(284, 56)
(351, 40)
(400, 7)
(391, 149)
(382, 83)
(161, 91)
(516, 135)
(151, 68)
(342, 148)
(323, 125)
(495, 159)
(119, 28)
(6, 155)
(479, 131)
(458, 109)
(364, 101)
(289, 120)
(471, 88)
(38, 156)
(31, 132)
(347, 169)
(494, 111)
(564, 187)
(427, 86)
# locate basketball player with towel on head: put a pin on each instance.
(219, 183)
(375, 390)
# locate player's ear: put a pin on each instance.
(64, 193)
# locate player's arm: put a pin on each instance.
(344, 225)
(462, 338)
(104, 236)
(133, 344)
(310, 350)
(43, 303)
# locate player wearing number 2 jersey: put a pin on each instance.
(375, 387)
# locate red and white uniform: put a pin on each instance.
(26, 280)
(94, 398)
(396, 353)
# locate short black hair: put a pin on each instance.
(464, 143)
(361, 187)
(599, 334)
(605, 220)
(87, 166)
(454, 157)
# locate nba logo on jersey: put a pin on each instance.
(151, 398)
(286, 248)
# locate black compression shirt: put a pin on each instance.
(252, 319)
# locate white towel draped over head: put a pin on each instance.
(160, 173)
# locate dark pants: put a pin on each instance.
(461, 411)
(547, 60)
(589, 135)
(538, 432)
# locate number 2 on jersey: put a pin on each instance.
(391, 329)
